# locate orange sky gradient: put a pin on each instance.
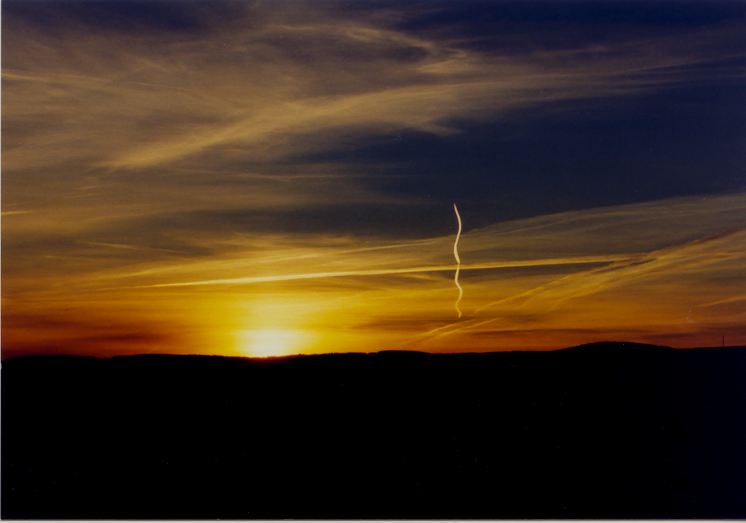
(646, 272)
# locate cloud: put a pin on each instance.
(229, 103)
(280, 82)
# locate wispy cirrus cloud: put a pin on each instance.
(280, 82)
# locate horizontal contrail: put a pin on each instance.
(548, 262)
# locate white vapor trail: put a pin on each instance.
(458, 262)
(507, 264)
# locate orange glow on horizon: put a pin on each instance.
(265, 343)
(369, 303)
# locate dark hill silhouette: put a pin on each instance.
(597, 431)
(617, 346)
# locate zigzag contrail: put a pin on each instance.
(458, 262)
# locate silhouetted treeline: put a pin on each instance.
(603, 431)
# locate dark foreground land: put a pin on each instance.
(602, 431)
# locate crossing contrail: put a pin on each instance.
(505, 264)
(458, 262)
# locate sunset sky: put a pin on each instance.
(269, 178)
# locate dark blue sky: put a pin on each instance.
(679, 129)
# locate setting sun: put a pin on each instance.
(266, 343)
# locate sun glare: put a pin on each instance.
(265, 343)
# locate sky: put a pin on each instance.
(270, 178)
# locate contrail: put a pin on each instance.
(507, 264)
(458, 262)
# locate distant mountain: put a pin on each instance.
(617, 346)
